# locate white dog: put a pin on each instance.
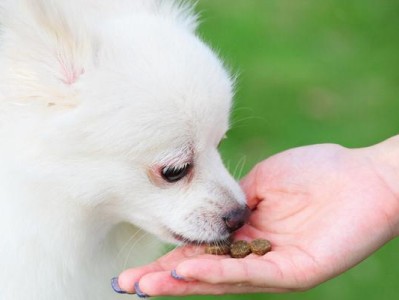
(110, 113)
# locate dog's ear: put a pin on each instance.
(67, 43)
(46, 49)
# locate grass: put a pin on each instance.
(311, 72)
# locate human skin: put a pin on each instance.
(325, 208)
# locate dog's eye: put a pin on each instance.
(175, 173)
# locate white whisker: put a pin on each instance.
(132, 247)
(128, 242)
(239, 167)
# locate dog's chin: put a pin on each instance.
(183, 240)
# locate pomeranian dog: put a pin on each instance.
(110, 114)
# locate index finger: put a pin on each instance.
(252, 271)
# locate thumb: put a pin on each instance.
(249, 184)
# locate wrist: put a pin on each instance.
(385, 159)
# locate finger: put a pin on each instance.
(128, 277)
(250, 270)
(162, 284)
(169, 261)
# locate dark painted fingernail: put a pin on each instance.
(115, 286)
(139, 292)
(175, 275)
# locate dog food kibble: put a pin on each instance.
(239, 249)
(217, 249)
(260, 246)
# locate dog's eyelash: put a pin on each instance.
(175, 169)
(175, 173)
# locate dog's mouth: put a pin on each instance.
(214, 230)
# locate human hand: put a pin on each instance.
(324, 208)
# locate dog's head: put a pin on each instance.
(132, 109)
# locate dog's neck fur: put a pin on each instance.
(36, 227)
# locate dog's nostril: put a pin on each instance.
(235, 219)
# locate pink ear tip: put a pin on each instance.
(68, 71)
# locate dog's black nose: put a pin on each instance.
(236, 218)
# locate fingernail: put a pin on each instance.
(139, 292)
(115, 286)
(175, 275)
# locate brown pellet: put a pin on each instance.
(217, 249)
(260, 246)
(239, 249)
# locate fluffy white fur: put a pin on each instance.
(96, 97)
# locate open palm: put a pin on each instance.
(324, 208)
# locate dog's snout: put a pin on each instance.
(236, 218)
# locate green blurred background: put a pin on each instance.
(311, 71)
